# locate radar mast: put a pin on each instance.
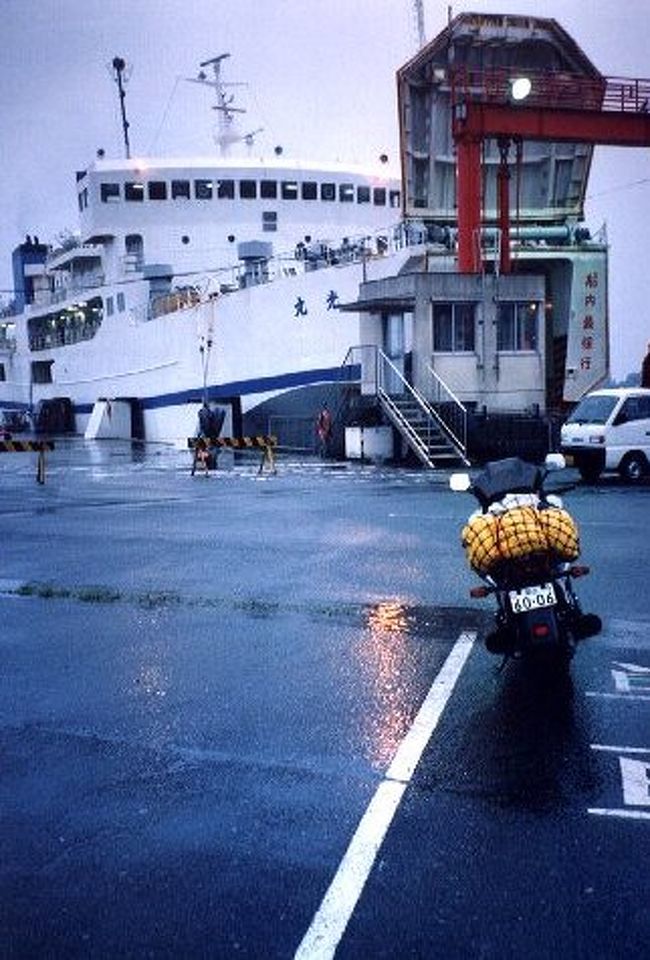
(227, 132)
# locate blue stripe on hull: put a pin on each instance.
(350, 373)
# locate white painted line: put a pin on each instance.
(602, 746)
(628, 814)
(617, 696)
(412, 746)
(332, 917)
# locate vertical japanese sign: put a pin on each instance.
(587, 359)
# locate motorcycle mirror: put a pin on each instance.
(555, 461)
(460, 482)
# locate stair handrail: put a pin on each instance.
(456, 425)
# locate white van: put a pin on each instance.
(610, 430)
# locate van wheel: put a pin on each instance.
(633, 467)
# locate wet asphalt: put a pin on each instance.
(204, 681)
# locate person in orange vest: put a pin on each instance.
(324, 431)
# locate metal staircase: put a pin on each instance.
(435, 429)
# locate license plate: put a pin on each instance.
(532, 598)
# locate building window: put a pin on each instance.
(248, 189)
(269, 221)
(328, 191)
(346, 192)
(363, 194)
(133, 191)
(109, 192)
(310, 190)
(226, 189)
(453, 327)
(180, 189)
(517, 326)
(289, 190)
(157, 190)
(268, 189)
(203, 189)
(42, 371)
(379, 196)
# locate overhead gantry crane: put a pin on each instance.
(511, 109)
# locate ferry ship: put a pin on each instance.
(214, 279)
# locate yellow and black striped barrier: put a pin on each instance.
(29, 446)
(202, 448)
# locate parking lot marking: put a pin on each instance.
(604, 746)
(616, 696)
(624, 814)
(332, 917)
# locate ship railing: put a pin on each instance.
(75, 288)
(303, 259)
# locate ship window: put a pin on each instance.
(226, 189)
(379, 196)
(268, 189)
(309, 190)
(133, 191)
(363, 194)
(203, 189)
(517, 325)
(109, 306)
(109, 192)
(453, 327)
(42, 371)
(120, 302)
(83, 199)
(157, 190)
(328, 191)
(3, 375)
(395, 199)
(248, 189)
(180, 189)
(346, 192)
(289, 190)
(269, 221)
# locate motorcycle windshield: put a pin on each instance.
(511, 475)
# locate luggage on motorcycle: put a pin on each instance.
(520, 532)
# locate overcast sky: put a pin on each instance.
(320, 80)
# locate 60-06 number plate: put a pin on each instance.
(532, 598)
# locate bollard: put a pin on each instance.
(23, 446)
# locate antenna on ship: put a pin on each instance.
(226, 134)
(119, 66)
(418, 14)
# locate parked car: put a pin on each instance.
(610, 430)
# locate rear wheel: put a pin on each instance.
(633, 467)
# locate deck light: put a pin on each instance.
(520, 88)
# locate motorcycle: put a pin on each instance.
(524, 544)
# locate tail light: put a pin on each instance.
(478, 593)
(540, 630)
(578, 571)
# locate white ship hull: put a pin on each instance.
(265, 341)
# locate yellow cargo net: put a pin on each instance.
(517, 533)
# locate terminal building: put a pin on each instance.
(498, 322)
